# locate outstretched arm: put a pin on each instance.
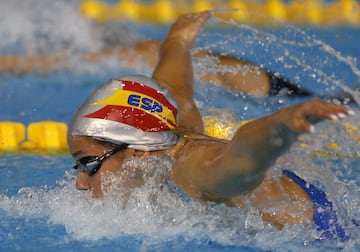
(242, 165)
(42, 64)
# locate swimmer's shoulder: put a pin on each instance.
(189, 143)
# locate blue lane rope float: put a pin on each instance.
(313, 12)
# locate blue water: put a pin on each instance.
(40, 209)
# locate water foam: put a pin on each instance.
(38, 26)
(155, 213)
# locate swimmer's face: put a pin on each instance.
(86, 146)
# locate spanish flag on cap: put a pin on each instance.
(133, 110)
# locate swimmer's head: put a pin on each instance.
(133, 109)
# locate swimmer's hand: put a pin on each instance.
(187, 27)
(302, 117)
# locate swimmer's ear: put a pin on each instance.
(141, 154)
(132, 153)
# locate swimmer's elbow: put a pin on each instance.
(233, 181)
(226, 190)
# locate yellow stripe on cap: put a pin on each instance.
(121, 98)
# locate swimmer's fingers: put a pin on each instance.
(325, 110)
(187, 26)
(303, 117)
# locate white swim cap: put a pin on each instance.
(133, 109)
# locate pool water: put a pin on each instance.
(40, 209)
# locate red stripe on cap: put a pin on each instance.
(130, 116)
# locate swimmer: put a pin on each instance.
(256, 81)
(136, 116)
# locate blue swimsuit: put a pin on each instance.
(325, 217)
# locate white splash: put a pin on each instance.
(35, 26)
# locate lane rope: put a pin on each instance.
(51, 137)
(313, 12)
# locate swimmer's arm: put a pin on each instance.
(143, 51)
(218, 175)
(255, 147)
(42, 63)
(235, 73)
(244, 164)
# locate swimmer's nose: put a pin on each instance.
(82, 181)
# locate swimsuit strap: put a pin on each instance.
(201, 137)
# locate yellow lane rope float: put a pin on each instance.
(50, 137)
(47, 136)
(313, 12)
